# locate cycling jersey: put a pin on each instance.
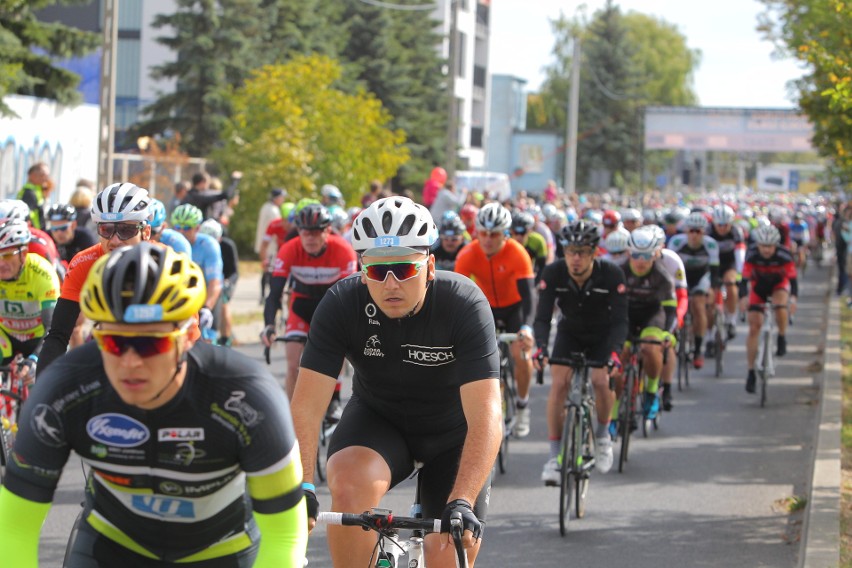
(313, 275)
(168, 483)
(42, 244)
(595, 312)
(83, 239)
(207, 254)
(23, 300)
(731, 249)
(408, 370)
(698, 261)
(446, 260)
(769, 274)
(176, 241)
(536, 247)
(800, 232)
(674, 266)
(498, 275)
(650, 298)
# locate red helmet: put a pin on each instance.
(468, 212)
(611, 218)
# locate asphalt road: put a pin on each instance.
(706, 489)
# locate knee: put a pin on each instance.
(357, 476)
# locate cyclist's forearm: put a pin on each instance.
(543, 317)
(794, 287)
(62, 325)
(525, 290)
(481, 403)
(310, 401)
(284, 538)
(20, 525)
(273, 300)
(214, 288)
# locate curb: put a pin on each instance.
(820, 546)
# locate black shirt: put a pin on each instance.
(83, 239)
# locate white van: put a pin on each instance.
(492, 184)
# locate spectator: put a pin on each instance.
(82, 199)
(201, 198)
(181, 189)
(436, 181)
(269, 211)
(448, 199)
(35, 192)
(375, 191)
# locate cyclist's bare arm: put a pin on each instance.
(310, 401)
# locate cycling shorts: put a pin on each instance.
(652, 333)
(726, 266)
(439, 453)
(703, 285)
(595, 348)
(799, 242)
(757, 297)
(301, 312)
(508, 319)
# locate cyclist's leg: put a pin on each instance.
(729, 280)
(361, 468)
(781, 296)
(755, 321)
(295, 335)
(669, 366)
(698, 305)
(560, 384)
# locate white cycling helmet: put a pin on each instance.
(14, 209)
(767, 235)
(631, 214)
(331, 191)
(14, 233)
(723, 215)
(211, 227)
(643, 239)
(696, 220)
(617, 241)
(121, 202)
(493, 217)
(393, 226)
(659, 234)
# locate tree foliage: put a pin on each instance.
(629, 61)
(817, 33)
(293, 127)
(29, 48)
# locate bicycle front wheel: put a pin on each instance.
(766, 365)
(626, 416)
(509, 419)
(719, 338)
(567, 469)
(587, 453)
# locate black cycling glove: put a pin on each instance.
(312, 503)
(469, 520)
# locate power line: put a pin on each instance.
(404, 7)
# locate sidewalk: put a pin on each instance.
(246, 310)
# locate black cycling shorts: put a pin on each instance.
(508, 319)
(360, 425)
(594, 347)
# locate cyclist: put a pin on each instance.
(772, 272)
(800, 238)
(503, 271)
(230, 275)
(451, 242)
(631, 218)
(593, 320)
(29, 287)
(731, 257)
(120, 213)
(70, 239)
(611, 222)
(427, 382)
(535, 245)
(160, 231)
(700, 255)
(40, 242)
(314, 261)
(174, 433)
(616, 244)
(651, 311)
(206, 253)
(278, 232)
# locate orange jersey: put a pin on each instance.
(496, 276)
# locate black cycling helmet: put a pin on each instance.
(451, 226)
(61, 212)
(313, 216)
(580, 234)
(522, 222)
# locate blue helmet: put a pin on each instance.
(156, 214)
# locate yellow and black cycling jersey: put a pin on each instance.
(23, 300)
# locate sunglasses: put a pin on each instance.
(695, 231)
(123, 230)
(641, 255)
(59, 227)
(491, 234)
(145, 345)
(402, 271)
(183, 227)
(9, 254)
(578, 252)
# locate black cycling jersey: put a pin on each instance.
(651, 297)
(727, 243)
(597, 311)
(83, 239)
(445, 260)
(172, 479)
(409, 370)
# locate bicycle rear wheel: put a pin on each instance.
(765, 364)
(626, 416)
(509, 416)
(585, 457)
(567, 468)
(719, 338)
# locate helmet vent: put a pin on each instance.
(387, 222)
(166, 293)
(369, 229)
(407, 224)
(423, 230)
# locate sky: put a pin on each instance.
(737, 68)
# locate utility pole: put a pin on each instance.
(452, 123)
(106, 132)
(570, 180)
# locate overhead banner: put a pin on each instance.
(727, 129)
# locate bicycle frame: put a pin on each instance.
(764, 363)
(508, 391)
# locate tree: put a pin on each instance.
(817, 33)
(629, 61)
(29, 48)
(293, 127)
(393, 54)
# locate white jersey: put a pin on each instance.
(674, 266)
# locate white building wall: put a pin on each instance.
(152, 52)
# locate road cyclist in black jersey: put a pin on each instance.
(451, 241)
(191, 450)
(425, 386)
(592, 321)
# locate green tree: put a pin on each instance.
(629, 61)
(300, 27)
(293, 127)
(817, 33)
(29, 49)
(393, 54)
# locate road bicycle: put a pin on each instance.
(684, 352)
(631, 403)
(12, 395)
(720, 335)
(508, 393)
(765, 362)
(390, 551)
(577, 456)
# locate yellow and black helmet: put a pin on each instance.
(143, 283)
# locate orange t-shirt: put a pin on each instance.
(496, 276)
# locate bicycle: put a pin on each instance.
(632, 399)
(720, 336)
(765, 362)
(389, 550)
(12, 395)
(577, 456)
(507, 392)
(684, 352)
